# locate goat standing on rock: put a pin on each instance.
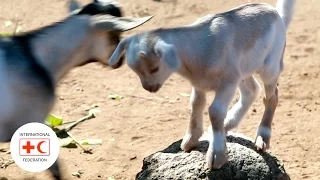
(217, 53)
(32, 63)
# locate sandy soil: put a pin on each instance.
(142, 123)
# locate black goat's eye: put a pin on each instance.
(154, 70)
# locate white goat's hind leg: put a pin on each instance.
(195, 129)
(217, 151)
(269, 77)
(270, 101)
(249, 90)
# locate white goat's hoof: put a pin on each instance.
(261, 144)
(215, 160)
(189, 142)
(262, 141)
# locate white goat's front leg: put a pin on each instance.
(217, 151)
(249, 90)
(195, 129)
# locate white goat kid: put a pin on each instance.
(217, 53)
(32, 63)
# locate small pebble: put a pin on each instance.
(132, 158)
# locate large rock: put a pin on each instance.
(245, 163)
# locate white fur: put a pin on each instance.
(286, 10)
(216, 53)
(219, 139)
(264, 131)
(249, 90)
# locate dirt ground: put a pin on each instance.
(142, 123)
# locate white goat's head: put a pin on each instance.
(108, 28)
(152, 59)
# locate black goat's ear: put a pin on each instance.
(96, 7)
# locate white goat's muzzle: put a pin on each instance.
(151, 87)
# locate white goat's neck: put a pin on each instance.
(62, 46)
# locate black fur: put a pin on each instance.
(19, 58)
(95, 8)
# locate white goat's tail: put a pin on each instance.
(286, 9)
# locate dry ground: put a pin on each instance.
(141, 126)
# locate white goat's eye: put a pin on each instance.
(154, 70)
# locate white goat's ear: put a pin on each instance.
(74, 7)
(168, 54)
(112, 23)
(118, 52)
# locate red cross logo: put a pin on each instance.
(28, 147)
(34, 147)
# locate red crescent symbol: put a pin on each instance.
(39, 147)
